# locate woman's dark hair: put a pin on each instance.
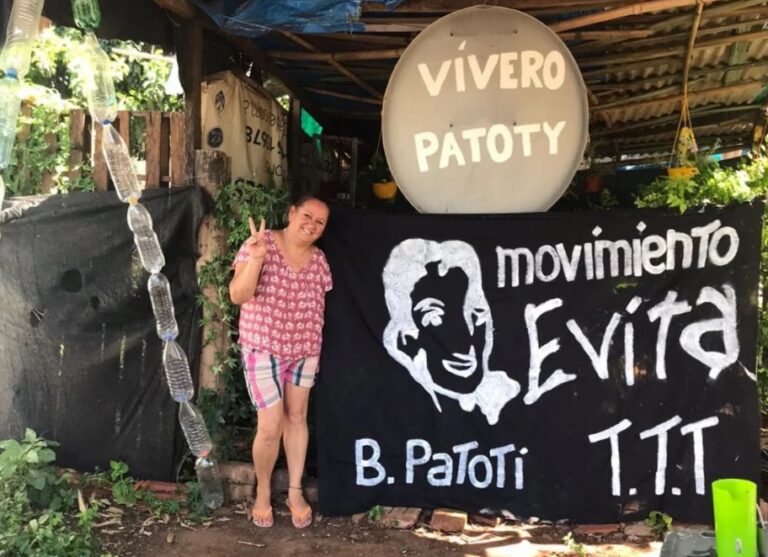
(308, 197)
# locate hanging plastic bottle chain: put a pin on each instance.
(14, 61)
(102, 105)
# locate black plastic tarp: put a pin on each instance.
(80, 361)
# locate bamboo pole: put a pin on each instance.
(618, 13)
(671, 51)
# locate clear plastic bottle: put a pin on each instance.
(10, 102)
(150, 252)
(87, 14)
(120, 165)
(140, 220)
(21, 32)
(193, 426)
(99, 86)
(177, 372)
(209, 482)
(162, 306)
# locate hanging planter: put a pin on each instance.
(385, 190)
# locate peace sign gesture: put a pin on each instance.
(256, 245)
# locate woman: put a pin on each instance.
(280, 283)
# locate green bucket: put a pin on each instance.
(735, 517)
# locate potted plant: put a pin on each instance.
(381, 179)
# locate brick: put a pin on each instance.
(401, 518)
(597, 529)
(448, 520)
(238, 473)
(280, 480)
(310, 492)
(691, 528)
(492, 521)
(238, 492)
(639, 530)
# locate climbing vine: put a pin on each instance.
(228, 413)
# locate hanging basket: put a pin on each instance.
(385, 190)
(682, 172)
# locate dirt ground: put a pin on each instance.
(229, 534)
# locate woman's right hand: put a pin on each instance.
(256, 245)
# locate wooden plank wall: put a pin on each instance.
(164, 139)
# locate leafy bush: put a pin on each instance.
(39, 516)
(53, 87)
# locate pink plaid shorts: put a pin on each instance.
(266, 375)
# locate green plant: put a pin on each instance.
(659, 522)
(573, 546)
(228, 414)
(39, 516)
(53, 87)
(375, 513)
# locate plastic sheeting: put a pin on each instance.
(80, 361)
(254, 18)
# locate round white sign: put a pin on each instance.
(486, 112)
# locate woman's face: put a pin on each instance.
(453, 347)
(307, 221)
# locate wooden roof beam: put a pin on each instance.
(367, 87)
(181, 8)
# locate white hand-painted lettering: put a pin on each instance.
(536, 70)
(362, 463)
(540, 352)
(690, 338)
(664, 312)
(661, 453)
(697, 429)
(654, 254)
(612, 434)
(443, 469)
(500, 141)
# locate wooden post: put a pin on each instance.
(100, 170)
(294, 151)
(165, 149)
(77, 143)
(191, 75)
(154, 120)
(213, 169)
(178, 137)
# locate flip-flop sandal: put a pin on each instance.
(263, 519)
(300, 520)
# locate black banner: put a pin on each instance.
(80, 359)
(590, 366)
